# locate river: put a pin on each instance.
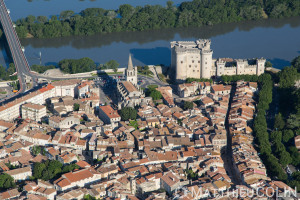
(276, 40)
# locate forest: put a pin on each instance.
(128, 18)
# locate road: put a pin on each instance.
(15, 47)
(227, 155)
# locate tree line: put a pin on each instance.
(277, 148)
(73, 66)
(128, 18)
(260, 128)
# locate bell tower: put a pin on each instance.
(131, 72)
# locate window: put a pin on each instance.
(198, 61)
(190, 66)
(192, 61)
(193, 70)
(206, 63)
(181, 62)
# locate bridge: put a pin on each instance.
(15, 47)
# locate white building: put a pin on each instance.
(66, 87)
(20, 174)
(108, 115)
(33, 111)
(11, 110)
(193, 59)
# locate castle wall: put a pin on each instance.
(230, 71)
(251, 70)
(193, 62)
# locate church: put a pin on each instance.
(129, 93)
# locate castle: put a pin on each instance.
(193, 59)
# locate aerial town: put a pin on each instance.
(60, 142)
(201, 128)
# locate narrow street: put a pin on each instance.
(227, 152)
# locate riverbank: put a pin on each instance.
(128, 18)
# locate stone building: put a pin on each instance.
(66, 87)
(63, 122)
(108, 115)
(129, 94)
(33, 111)
(193, 59)
(131, 72)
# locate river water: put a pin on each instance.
(276, 40)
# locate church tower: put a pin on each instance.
(131, 72)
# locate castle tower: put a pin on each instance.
(206, 63)
(181, 66)
(240, 67)
(131, 72)
(220, 67)
(260, 69)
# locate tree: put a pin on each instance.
(66, 14)
(188, 105)
(295, 155)
(293, 121)
(69, 168)
(30, 19)
(276, 136)
(279, 122)
(296, 63)
(268, 64)
(38, 170)
(112, 64)
(76, 107)
(41, 69)
(126, 10)
(155, 94)
(42, 19)
(170, 4)
(128, 113)
(36, 150)
(11, 69)
(6, 181)
(288, 134)
(287, 77)
(77, 65)
(285, 158)
(88, 197)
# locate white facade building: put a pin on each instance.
(33, 111)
